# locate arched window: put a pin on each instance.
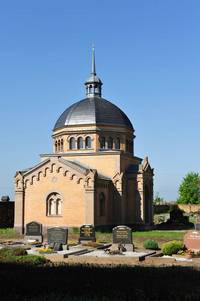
(80, 143)
(72, 143)
(117, 143)
(110, 143)
(102, 142)
(102, 204)
(56, 146)
(88, 142)
(53, 204)
(61, 145)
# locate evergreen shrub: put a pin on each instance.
(172, 247)
(151, 244)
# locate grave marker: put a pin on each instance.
(34, 231)
(122, 236)
(87, 233)
(57, 237)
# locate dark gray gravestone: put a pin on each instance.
(57, 235)
(34, 231)
(87, 233)
(122, 236)
(197, 226)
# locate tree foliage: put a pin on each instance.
(189, 190)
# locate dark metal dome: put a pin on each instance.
(93, 110)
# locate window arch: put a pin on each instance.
(102, 142)
(110, 142)
(72, 143)
(88, 142)
(56, 146)
(80, 143)
(102, 204)
(54, 204)
(117, 143)
(61, 145)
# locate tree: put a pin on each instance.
(189, 190)
(158, 200)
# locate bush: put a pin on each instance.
(19, 255)
(172, 247)
(32, 259)
(7, 252)
(151, 244)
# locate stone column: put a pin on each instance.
(89, 206)
(19, 204)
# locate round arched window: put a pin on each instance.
(54, 204)
(88, 142)
(72, 143)
(80, 143)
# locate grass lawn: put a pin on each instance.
(9, 233)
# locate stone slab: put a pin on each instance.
(33, 238)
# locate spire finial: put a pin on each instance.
(93, 60)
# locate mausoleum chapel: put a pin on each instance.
(92, 176)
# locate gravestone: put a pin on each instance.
(87, 233)
(34, 231)
(192, 240)
(57, 237)
(122, 237)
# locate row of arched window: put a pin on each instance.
(80, 143)
(59, 145)
(109, 143)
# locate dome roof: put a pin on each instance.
(93, 110)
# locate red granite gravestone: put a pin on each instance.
(192, 240)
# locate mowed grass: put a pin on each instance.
(8, 233)
(139, 237)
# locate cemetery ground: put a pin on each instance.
(79, 278)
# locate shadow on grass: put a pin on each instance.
(84, 282)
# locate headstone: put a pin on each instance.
(57, 236)
(87, 233)
(192, 240)
(122, 236)
(34, 232)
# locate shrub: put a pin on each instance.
(151, 244)
(7, 252)
(32, 259)
(172, 247)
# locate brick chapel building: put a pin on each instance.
(92, 176)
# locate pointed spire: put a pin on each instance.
(93, 61)
(93, 84)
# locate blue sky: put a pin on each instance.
(148, 57)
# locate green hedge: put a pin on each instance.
(151, 244)
(172, 247)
